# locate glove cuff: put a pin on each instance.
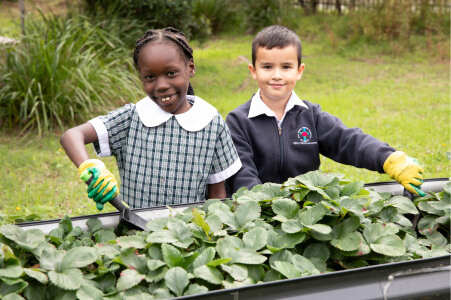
(394, 158)
(90, 163)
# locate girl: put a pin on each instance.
(171, 147)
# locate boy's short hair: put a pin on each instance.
(276, 36)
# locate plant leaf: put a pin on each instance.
(304, 265)
(247, 212)
(176, 280)
(255, 239)
(68, 279)
(238, 272)
(89, 292)
(172, 256)
(317, 250)
(181, 232)
(205, 257)
(346, 242)
(199, 220)
(352, 188)
(37, 275)
(135, 241)
(79, 257)
(286, 269)
(390, 245)
(312, 215)
(162, 236)
(195, 288)
(128, 279)
(285, 207)
(210, 274)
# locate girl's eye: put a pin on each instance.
(287, 67)
(267, 67)
(149, 77)
(172, 73)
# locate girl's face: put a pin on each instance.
(165, 74)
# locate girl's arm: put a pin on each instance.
(74, 141)
(217, 191)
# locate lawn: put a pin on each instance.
(403, 100)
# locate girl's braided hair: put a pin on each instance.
(168, 33)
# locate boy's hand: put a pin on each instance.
(406, 170)
(103, 186)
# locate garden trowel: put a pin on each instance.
(126, 216)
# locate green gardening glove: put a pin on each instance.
(406, 170)
(103, 186)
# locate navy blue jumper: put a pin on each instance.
(272, 154)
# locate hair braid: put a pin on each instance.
(171, 34)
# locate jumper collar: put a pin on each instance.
(258, 107)
(195, 119)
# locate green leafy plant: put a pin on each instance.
(312, 224)
(60, 72)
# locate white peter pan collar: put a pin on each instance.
(195, 119)
(258, 107)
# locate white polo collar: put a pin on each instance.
(258, 107)
(195, 119)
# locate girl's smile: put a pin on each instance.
(165, 73)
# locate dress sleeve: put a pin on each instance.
(225, 160)
(112, 131)
(349, 145)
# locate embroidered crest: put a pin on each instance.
(304, 134)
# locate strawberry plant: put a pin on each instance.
(312, 224)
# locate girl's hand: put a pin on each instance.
(103, 186)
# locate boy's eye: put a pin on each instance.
(172, 73)
(287, 67)
(149, 77)
(267, 67)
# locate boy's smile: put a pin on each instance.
(165, 75)
(276, 71)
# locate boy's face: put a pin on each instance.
(276, 71)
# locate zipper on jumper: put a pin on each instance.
(281, 161)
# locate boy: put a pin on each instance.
(278, 136)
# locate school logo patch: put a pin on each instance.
(304, 134)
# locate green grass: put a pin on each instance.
(403, 100)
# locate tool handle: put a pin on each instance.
(120, 205)
(416, 218)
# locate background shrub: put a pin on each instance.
(61, 71)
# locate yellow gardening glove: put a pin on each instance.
(103, 186)
(406, 170)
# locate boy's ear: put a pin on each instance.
(300, 71)
(253, 72)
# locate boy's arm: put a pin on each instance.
(216, 191)
(247, 176)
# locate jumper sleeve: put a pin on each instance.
(247, 176)
(226, 161)
(112, 131)
(349, 145)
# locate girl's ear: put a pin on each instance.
(192, 68)
(253, 72)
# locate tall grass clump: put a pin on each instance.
(399, 24)
(63, 70)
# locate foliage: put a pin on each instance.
(312, 224)
(151, 14)
(60, 71)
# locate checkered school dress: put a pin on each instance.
(166, 164)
